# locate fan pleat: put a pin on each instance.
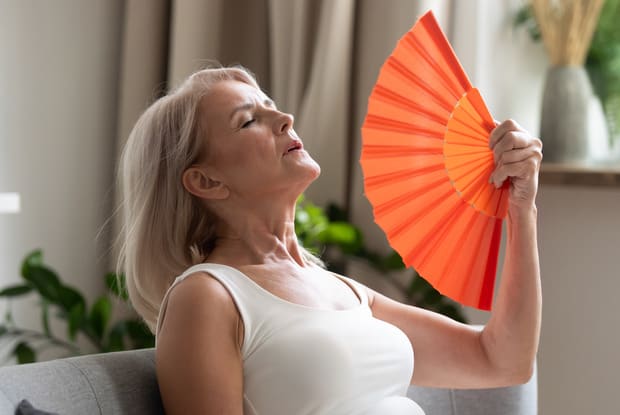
(429, 231)
(441, 260)
(442, 46)
(386, 195)
(396, 136)
(456, 252)
(400, 176)
(460, 125)
(480, 107)
(390, 203)
(397, 221)
(404, 80)
(408, 107)
(378, 122)
(443, 81)
(426, 162)
(468, 289)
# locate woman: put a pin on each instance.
(253, 324)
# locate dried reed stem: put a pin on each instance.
(567, 27)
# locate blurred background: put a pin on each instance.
(75, 75)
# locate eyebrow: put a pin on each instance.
(267, 102)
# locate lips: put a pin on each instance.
(294, 145)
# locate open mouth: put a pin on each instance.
(295, 145)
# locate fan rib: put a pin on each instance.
(408, 75)
(401, 175)
(456, 90)
(454, 163)
(471, 260)
(381, 123)
(435, 234)
(458, 178)
(388, 206)
(478, 103)
(391, 97)
(394, 232)
(397, 151)
(460, 243)
(433, 29)
(467, 132)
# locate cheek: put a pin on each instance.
(245, 158)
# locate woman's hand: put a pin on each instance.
(517, 156)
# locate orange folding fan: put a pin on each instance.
(427, 162)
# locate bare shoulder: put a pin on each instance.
(198, 349)
(201, 297)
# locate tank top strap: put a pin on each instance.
(357, 287)
(241, 289)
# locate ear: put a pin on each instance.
(197, 182)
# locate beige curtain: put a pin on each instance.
(318, 59)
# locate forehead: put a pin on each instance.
(226, 95)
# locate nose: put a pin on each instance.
(283, 123)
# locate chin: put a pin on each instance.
(312, 172)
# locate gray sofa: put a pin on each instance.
(125, 383)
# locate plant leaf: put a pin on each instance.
(115, 338)
(16, 290)
(24, 353)
(45, 281)
(69, 297)
(339, 233)
(117, 285)
(76, 319)
(35, 258)
(100, 315)
(140, 334)
(45, 321)
(393, 261)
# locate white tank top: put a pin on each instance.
(299, 360)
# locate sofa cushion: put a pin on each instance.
(109, 383)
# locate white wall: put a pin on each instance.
(58, 85)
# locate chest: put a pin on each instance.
(342, 357)
(314, 288)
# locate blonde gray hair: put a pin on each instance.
(165, 229)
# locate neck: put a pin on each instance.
(256, 233)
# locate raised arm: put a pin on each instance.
(450, 354)
(511, 336)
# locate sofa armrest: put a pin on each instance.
(107, 384)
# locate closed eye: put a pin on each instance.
(247, 123)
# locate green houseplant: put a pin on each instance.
(67, 303)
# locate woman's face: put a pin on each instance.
(252, 147)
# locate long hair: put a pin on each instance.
(165, 229)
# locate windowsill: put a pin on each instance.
(573, 174)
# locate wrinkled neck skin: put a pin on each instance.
(256, 230)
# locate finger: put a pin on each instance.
(501, 129)
(520, 154)
(520, 170)
(510, 141)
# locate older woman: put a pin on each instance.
(247, 321)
